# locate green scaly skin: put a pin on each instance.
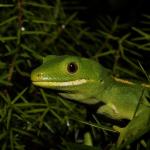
(86, 81)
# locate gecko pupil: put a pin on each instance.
(72, 67)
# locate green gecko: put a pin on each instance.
(86, 81)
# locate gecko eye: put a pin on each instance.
(72, 67)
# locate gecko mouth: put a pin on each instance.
(59, 84)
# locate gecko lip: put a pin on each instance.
(59, 84)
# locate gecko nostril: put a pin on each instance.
(36, 76)
(40, 75)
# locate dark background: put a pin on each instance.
(90, 11)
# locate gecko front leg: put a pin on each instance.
(137, 127)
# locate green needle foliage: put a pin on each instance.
(34, 118)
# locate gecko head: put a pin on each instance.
(67, 74)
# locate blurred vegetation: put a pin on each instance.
(34, 118)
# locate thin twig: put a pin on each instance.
(20, 22)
